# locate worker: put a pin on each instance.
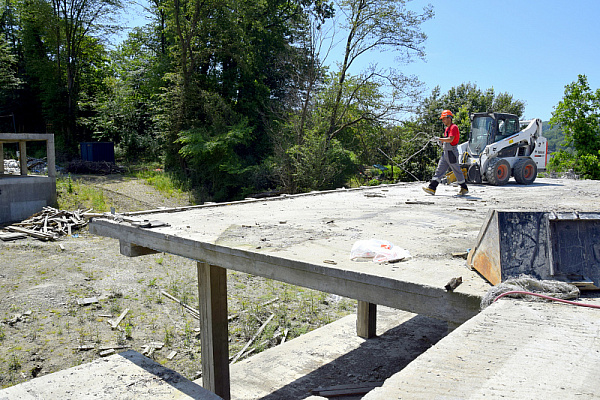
(449, 157)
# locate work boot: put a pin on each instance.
(431, 188)
(463, 189)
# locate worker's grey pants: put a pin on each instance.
(449, 160)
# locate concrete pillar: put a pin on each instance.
(50, 156)
(366, 319)
(214, 336)
(1, 158)
(23, 157)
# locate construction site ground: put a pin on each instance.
(47, 325)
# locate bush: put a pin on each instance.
(587, 165)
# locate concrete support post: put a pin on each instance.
(23, 157)
(366, 319)
(212, 293)
(1, 158)
(51, 157)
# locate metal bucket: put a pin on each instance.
(545, 245)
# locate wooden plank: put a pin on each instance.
(346, 390)
(11, 236)
(38, 235)
(195, 313)
(212, 294)
(366, 319)
(256, 335)
(116, 322)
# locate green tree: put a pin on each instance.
(376, 25)
(578, 115)
(124, 112)
(463, 100)
(9, 82)
(232, 68)
(8, 72)
(352, 109)
(61, 57)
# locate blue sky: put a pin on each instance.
(528, 48)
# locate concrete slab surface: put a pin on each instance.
(509, 350)
(512, 350)
(333, 355)
(124, 376)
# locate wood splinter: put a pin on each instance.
(453, 284)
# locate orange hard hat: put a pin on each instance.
(446, 113)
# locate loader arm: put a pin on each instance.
(529, 138)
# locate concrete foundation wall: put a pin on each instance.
(23, 196)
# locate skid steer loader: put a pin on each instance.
(501, 146)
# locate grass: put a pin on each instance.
(161, 181)
(72, 194)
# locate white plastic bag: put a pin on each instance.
(377, 250)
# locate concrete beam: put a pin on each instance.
(132, 250)
(409, 296)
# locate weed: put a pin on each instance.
(168, 338)
(128, 330)
(188, 333)
(69, 185)
(115, 307)
(14, 364)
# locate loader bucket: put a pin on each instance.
(545, 245)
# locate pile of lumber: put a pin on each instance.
(49, 224)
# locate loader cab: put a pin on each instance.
(488, 128)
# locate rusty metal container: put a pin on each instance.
(545, 245)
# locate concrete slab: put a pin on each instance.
(334, 355)
(127, 375)
(306, 240)
(512, 350)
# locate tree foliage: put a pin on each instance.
(234, 96)
(578, 115)
(350, 109)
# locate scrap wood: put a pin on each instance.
(195, 313)
(344, 390)
(453, 284)
(116, 322)
(30, 232)
(7, 236)
(50, 223)
(285, 334)
(256, 335)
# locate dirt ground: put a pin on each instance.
(58, 299)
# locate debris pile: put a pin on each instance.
(49, 224)
(11, 167)
(37, 165)
(93, 167)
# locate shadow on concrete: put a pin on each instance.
(168, 376)
(375, 360)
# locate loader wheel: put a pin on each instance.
(525, 171)
(498, 172)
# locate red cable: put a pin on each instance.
(547, 298)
